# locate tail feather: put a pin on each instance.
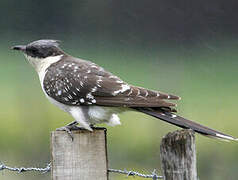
(185, 123)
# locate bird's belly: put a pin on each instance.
(94, 114)
(102, 114)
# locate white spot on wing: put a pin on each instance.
(90, 96)
(99, 79)
(113, 77)
(119, 81)
(82, 100)
(124, 87)
(146, 93)
(130, 92)
(94, 66)
(94, 89)
(66, 99)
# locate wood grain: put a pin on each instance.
(178, 156)
(84, 158)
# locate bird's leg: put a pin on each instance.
(68, 128)
(73, 126)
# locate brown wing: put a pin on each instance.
(112, 91)
(77, 82)
(137, 97)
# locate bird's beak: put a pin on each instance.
(19, 48)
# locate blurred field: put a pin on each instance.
(205, 77)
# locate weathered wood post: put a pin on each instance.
(178, 156)
(84, 158)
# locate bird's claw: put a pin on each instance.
(72, 127)
(68, 129)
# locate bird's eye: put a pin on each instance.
(33, 50)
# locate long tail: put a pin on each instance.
(185, 123)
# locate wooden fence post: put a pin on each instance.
(84, 158)
(178, 156)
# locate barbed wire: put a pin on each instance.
(153, 175)
(23, 169)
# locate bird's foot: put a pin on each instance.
(73, 126)
(68, 128)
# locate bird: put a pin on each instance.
(93, 95)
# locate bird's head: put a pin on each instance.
(40, 51)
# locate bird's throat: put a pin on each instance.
(41, 64)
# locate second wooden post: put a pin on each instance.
(178, 156)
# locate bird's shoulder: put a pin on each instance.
(73, 66)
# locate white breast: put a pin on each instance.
(41, 65)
